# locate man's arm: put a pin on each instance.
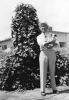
(53, 41)
(42, 42)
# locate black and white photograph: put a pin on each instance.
(34, 50)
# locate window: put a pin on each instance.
(4, 47)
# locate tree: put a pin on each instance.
(25, 28)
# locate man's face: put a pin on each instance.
(43, 29)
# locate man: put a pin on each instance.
(47, 44)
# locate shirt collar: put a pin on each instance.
(44, 35)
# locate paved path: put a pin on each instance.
(35, 94)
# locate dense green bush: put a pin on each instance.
(14, 77)
(62, 70)
(24, 64)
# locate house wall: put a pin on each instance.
(62, 38)
(5, 45)
(68, 40)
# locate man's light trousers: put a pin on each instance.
(47, 57)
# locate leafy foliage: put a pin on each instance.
(62, 71)
(23, 66)
(15, 77)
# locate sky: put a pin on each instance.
(54, 12)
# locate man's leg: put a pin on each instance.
(43, 70)
(52, 59)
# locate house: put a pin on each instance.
(6, 45)
(63, 38)
(6, 48)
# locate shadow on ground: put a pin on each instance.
(65, 91)
(60, 92)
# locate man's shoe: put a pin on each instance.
(55, 92)
(43, 93)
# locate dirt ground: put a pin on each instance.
(35, 94)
